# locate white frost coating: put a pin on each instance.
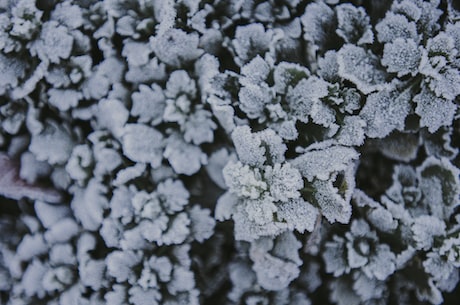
(322, 163)
(361, 68)
(142, 143)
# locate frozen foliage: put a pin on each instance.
(361, 68)
(276, 152)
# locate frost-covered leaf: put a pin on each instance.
(322, 163)
(328, 67)
(257, 148)
(254, 219)
(178, 230)
(216, 163)
(284, 181)
(425, 229)
(62, 231)
(225, 206)
(11, 70)
(299, 214)
(352, 131)
(129, 173)
(142, 143)
(54, 43)
(254, 98)
(304, 98)
(32, 279)
(69, 15)
(272, 273)
(31, 246)
(382, 263)
(402, 57)
(445, 83)
(113, 115)
(243, 180)
(88, 204)
(183, 157)
(407, 8)
(399, 146)
(353, 24)
(334, 256)
(360, 67)
(251, 40)
(255, 72)
(288, 74)
(175, 47)
(318, 21)
(202, 224)
(434, 111)
(440, 186)
(148, 104)
(136, 53)
(49, 214)
(385, 111)
(395, 26)
(199, 127)
(120, 265)
(332, 204)
(64, 99)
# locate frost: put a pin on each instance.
(31, 246)
(434, 112)
(69, 15)
(299, 214)
(175, 47)
(88, 205)
(304, 98)
(322, 163)
(257, 148)
(54, 43)
(142, 143)
(425, 229)
(119, 265)
(401, 57)
(284, 181)
(216, 163)
(444, 84)
(352, 132)
(254, 99)
(385, 111)
(113, 115)
(202, 224)
(183, 157)
(11, 70)
(353, 24)
(332, 205)
(243, 180)
(318, 20)
(440, 185)
(199, 127)
(251, 40)
(148, 104)
(62, 231)
(64, 99)
(49, 214)
(395, 26)
(136, 53)
(31, 169)
(361, 68)
(335, 257)
(286, 73)
(273, 272)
